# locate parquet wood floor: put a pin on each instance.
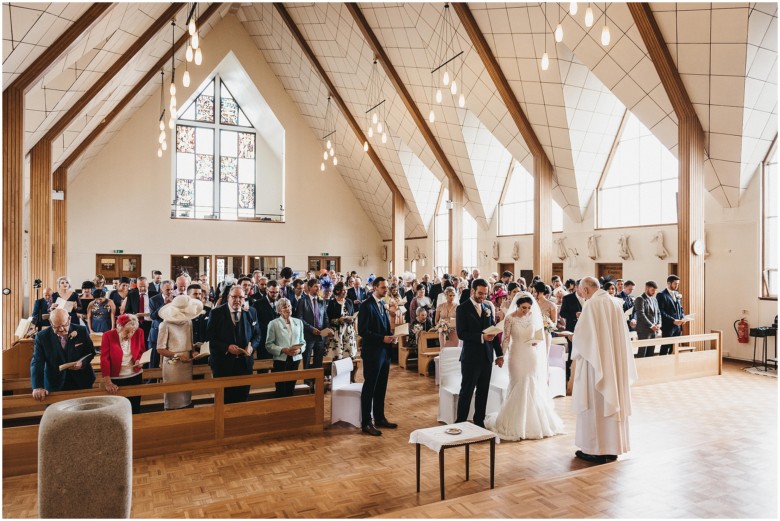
(701, 448)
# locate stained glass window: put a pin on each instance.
(215, 174)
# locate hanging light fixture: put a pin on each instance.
(329, 139)
(172, 89)
(375, 115)
(198, 56)
(605, 36)
(559, 27)
(545, 58)
(588, 16)
(161, 137)
(572, 8)
(447, 64)
(185, 79)
(365, 146)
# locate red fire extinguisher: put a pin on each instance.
(742, 329)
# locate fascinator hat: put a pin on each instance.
(326, 282)
(182, 309)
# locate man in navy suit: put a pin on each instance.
(265, 306)
(61, 343)
(374, 329)
(571, 307)
(476, 360)
(670, 305)
(311, 310)
(155, 287)
(41, 308)
(233, 337)
(356, 294)
(155, 303)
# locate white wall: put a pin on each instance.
(138, 219)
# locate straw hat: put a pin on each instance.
(182, 308)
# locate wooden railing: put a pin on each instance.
(164, 432)
(692, 356)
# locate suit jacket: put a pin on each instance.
(334, 311)
(133, 302)
(154, 289)
(278, 337)
(306, 313)
(265, 314)
(40, 308)
(373, 327)
(671, 310)
(570, 306)
(48, 355)
(647, 315)
(469, 326)
(353, 295)
(628, 303)
(221, 333)
(111, 351)
(155, 303)
(434, 292)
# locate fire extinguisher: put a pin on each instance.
(742, 329)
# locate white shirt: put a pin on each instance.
(126, 369)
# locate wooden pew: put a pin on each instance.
(692, 356)
(210, 425)
(425, 353)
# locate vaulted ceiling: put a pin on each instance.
(726, 54)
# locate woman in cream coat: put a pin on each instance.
(285, 342)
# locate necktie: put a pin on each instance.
(63, 341)
(316, 314)
(141, 304)
(235, 317)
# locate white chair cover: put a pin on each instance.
(345, 396)
(449, 385)
(556, 367)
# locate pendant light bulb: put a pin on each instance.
(159, 152)
(559, 33)
(188, 54)
(379, 127)
(431, 116)
(374, 118)
(605, 36)
(324, 154)
(588, 17)
(370, 131)
(335, 161)
(171, 123)
(185, 80)
(164, 145)
(438, 96)
(328, 145)
(572, 8)
(198, 56)
(384, 137)
(195, 39)
(172, 89)
(545, 62)
(161, 137)
(462, 100)
(446, 78)
(453, 88)
(331, 152)
(322, 167)
(365, 146)
(162, 125)
(191, 28)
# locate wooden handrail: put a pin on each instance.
(662, 341)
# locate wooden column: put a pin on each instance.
(59, 218)
(455, 256)
(543, 241)
(13, 200)
(690, 220)
(397, 244)
(40, 217)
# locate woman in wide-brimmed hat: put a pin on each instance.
(174, 343)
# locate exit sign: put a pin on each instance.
(325, 254)
(119, 251)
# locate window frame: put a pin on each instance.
(763, 280)
(436, 240)
(501, 200)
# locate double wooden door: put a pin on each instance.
(113, 266)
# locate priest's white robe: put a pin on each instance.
(604, 372)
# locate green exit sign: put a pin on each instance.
(119, 251)
(325, 254)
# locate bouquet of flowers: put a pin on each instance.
(550, 326)
(443, 328)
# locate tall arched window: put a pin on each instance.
(441, 236)
(516, 208)
(215, 174)
(769, 261)
(469, 242)
(640, 185)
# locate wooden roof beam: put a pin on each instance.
(400, 88)
(212, 9)
(296, 33)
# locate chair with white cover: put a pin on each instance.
(449, 386)
(345, 396)
(499, 389)
(556, 367)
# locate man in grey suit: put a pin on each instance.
(648, 317)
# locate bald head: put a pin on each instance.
(181, 284)
(59, 320)
(589, 286)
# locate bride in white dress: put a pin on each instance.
(528, 411)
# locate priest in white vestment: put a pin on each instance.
(601, 349)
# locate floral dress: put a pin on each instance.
(344, 343)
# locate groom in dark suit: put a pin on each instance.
(374, 329)
(61, 343)
(476, 360)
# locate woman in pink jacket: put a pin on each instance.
(120, 351)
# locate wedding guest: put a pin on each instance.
(65, 292)
(670, 305)
(548, 310)
(447, 312)
(61, 343)
(498, 299)
(326, 283)
(312, 312)
(120, 292)
(570, 312)
(100, 283)
(628, 302)
(155, 303)
(512, 289)
(604, 371)
(648, 318)
(419, 301)
(85, 299)
(420, 324)
(174, 344)
(182, 281)
(340, 311)
(285, 343)
(610, 288)
(298, 287)
(120, 352)
(42, 308)
(266, 308)
(138, 303)
(356, 293)
(285, 289)
(101, 314)
(156, 284)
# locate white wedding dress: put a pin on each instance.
(528, 411)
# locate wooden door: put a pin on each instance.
(528, 275)
(558, 270)
(228, 265)
(506, 266)
(324, 263)
(604, 269)
(113, 266)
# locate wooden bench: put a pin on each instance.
(405, 353)
(425, 353)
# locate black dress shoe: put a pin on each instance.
(386, 424)
(609, 458)
(370, 429)
(590, 458)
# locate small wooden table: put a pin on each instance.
(436, 439)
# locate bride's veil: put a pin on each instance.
(536, 312)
